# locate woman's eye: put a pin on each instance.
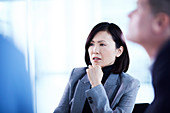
(91, 44)
(102, 45)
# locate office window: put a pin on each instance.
(52, 35)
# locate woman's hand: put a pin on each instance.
(95, 75)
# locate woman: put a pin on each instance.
(103, 86)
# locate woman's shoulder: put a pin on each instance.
(79, 69)
(77, 73)
(129, 79)
(129, 83)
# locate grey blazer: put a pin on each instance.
(117, 95)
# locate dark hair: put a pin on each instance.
(121, 63)
(158, 6)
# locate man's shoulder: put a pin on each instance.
(161, 66)
(163, 57)
(164, 51)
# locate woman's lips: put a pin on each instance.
(96, 58)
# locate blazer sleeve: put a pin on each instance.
(63, 106)
(99, 101)
(66, 100)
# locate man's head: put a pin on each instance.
(150, 24)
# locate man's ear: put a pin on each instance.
(119, 51)
(161, 23)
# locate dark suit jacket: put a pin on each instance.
(15, 85)
(117, 95)
(161, 81)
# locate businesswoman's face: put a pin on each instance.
(102, 50)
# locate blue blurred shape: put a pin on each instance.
(15, 84)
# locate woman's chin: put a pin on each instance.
(96, 63)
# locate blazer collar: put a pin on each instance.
(85, 79)
(111, 87)
(111, 80)
(79, 96)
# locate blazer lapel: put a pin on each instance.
(111, 86)
(79, 96)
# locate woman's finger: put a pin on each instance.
(90, 66)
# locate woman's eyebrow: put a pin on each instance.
(100, 41)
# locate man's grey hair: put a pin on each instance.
(158, 6)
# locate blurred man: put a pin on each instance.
(150, 27)
(15, 85)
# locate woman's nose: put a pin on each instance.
(96, 50)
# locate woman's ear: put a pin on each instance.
(119, 51)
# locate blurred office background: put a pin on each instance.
(52, 34)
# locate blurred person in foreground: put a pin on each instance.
(150, 27)
(15, 85)
(102, 86)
